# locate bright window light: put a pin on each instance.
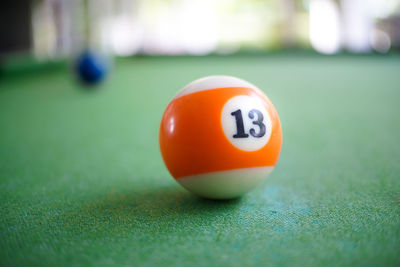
(324, 26)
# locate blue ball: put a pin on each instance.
(91, 68)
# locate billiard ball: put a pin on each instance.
(220, 136)
(91, 68)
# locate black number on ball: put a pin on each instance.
(240, 132)
(239, 125)
(258, 122)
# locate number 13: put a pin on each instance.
(240, 133)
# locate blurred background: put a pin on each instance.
(56, 29)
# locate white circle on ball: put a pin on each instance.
(246, 122)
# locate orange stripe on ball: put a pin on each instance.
(192, 140)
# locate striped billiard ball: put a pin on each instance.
(220, 136)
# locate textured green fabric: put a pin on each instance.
(83, 182)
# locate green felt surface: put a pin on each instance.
(83, 182)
